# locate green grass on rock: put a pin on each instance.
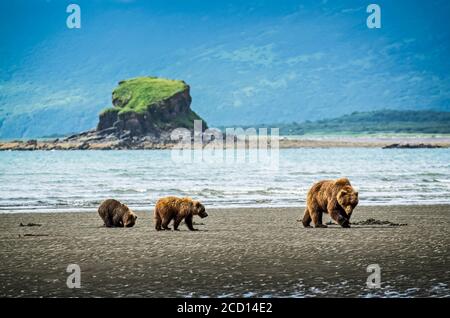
(137, 94)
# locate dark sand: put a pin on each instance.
(237, 252)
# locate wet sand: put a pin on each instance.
(236, 252)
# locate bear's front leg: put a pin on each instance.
(188, 221)
(339, 218)
(177, 222)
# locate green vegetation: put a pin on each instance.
(137, 94)
(383, 121)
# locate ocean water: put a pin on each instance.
(79, 180)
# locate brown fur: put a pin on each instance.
(335, 197)
(177, 209)
(116, 214)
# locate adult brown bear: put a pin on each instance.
(335, 197)
(116, 214)
(177, 209)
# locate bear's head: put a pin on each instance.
(199, 209)
(347, 198)
(129, 218)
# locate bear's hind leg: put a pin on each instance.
(108, 221)
(165, 223)
(306, 218)
(316, 217)
(158, 222)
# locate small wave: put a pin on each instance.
(211, 192)
(431, 174)
(430, 180)
(129, 190)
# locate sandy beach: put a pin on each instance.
(236, 252)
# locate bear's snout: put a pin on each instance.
(203, 215)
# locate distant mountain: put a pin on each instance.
(247, 62)
(383, 121)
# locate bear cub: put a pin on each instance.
(177, 209)
(116, 214)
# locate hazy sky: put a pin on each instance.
(246, 61)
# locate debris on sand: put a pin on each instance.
(25, 235)
(372, 221)
(411, 146)
(30, 224)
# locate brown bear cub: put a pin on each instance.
(177, 209)
(335, 197)
(116, 214)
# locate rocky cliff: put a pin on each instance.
(148, 106)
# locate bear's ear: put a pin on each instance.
(344, 191)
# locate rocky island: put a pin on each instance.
(145, 110)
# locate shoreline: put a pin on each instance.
(236, 253)
(140, 209)
(284, 142)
